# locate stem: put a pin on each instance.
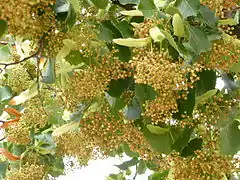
(135, 176)
(37, 53)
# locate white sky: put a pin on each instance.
(100, 169)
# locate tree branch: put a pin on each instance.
(38, 52)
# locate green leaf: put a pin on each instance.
(147, 7)
(229, 139)
(188, 7)
(183, 139)
(117, 87)
(142, 167)
(133, 110)
(108, 31)
(132, 42)
(229, 21)
(124, 53)
(170, 40)
(3, 27)
(193, 145)
(206, 96)
(65, 128)
(172, 10)
(207, 82)
(25, 95)
(208, 16)
(185, 107)
(49, 75)
(235, 67)
(157, 130)
(71, 16)
(198, 40)
(159, 142)
(101, 4)
(76, 5)
(119, 176)
(4, 53)
(124, 28)
(57, 168)
(127, 164)
(3, 169)
(5, 93)
(156, 34)
(158, 176)
(178, 26)
(144, 92)
(128, 151)
(132, 13)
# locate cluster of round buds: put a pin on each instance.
(83, 34)
(28, 172)
(223, 56)
(221, 7)
(93, 81)
(127, 96)
(75, 144)
(159, 110)
(141, 30)
(18, 79)
(34, 114)
(31, 157)
(138, 143)
(206, 164)
(212, 111)
(103, 131)
(107, 132)
(167, 78)
(19, 133)
(54, 42)
(28, 18)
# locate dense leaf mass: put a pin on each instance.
(93, 79)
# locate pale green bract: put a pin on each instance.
(131, 42)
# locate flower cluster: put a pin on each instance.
(103, 133)
(18, 133)
(18, 79)
(34, 114)
(167, 78)
(213, 110)
(222, 56)
(28, 18)
(28, 172)
(93, 81)
(205, 164)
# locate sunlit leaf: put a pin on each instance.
(25, 95)
(206, 96)
(131, 42)
(156, 34)
(178, 26)
(65, 128)
(132, 13)
(157, 130)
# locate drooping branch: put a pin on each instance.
(36, 54)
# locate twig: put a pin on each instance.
(38, 52)
(135, 175)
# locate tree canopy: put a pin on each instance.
(99, 78)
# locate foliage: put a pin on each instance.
(98, 78)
